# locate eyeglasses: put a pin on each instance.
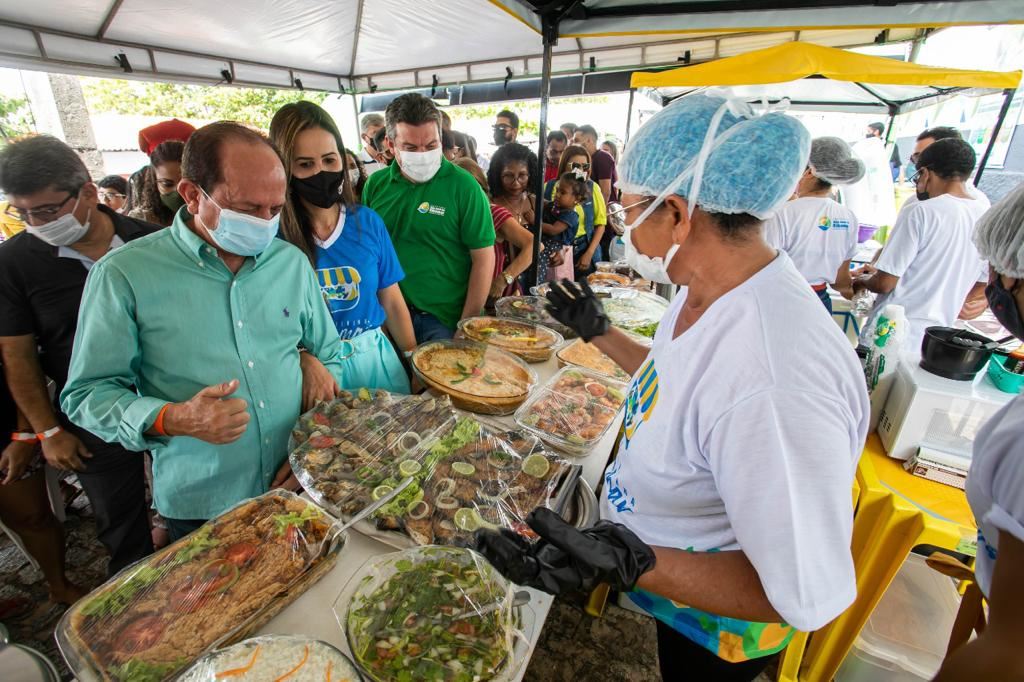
(42, 214)
(622, 209)
(512, 177)
(916, 176)
(110, 196)
(502, 127)
(579, 166)
(914, 157)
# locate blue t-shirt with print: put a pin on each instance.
(352, 267)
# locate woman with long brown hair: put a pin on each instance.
(346, 243)
(159, 198)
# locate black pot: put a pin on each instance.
(955, 353)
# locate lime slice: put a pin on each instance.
(536, 465)
(364, 395)
(410, 467)
(464, 468)
(380, 491)
(467, 519)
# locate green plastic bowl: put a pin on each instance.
(1004, 379)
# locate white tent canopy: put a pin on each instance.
(346, 45)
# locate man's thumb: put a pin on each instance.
(220, 390)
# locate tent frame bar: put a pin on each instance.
(718, 6)
(109, 19)
(1007, 101)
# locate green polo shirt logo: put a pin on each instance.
(427, 207)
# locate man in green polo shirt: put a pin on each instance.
(438, 218)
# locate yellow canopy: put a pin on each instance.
(792, 61)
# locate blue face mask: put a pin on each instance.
(241, 234)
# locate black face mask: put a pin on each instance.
(499, 137)
(1004, 307)
(320, 189)
(922, 196)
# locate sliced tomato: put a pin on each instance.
(188, 598)
(217, 576)
(240, 553)
(321, 419)
(291, 535)
(139, 635)
(595, 389)
(322, 442)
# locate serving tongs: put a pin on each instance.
(405, 483)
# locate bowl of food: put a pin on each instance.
(432, 613)
(477, 377)
(274, 657)
(532, 342)
(573, 410)
(530, 309)
(608, 279)
(633, 310)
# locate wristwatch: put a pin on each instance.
(508, 278)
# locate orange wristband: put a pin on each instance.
(24, 437)
(158, 425)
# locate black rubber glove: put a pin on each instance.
(566, 559)
(577, 307)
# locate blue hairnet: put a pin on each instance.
(753, 166)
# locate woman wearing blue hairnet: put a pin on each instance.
(727, 514)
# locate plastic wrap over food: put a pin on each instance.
(431, 614)
(274, 657)
(531, 309)
(477, 377)
(155, 617)
(573, 410)
(608, 279)
(321, 415)
(479, 479)
(360, 455)
(579, 353)
(637, 311)
(532, 342)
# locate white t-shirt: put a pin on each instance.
(744, 433)
(932, 252)
(995, 485)
(370, 164)
(972, 191)
(819, 235)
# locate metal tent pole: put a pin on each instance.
(1007, 100)
(549, 29)
(629, 115)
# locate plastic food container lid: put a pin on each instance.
(274, 657)
(523, 336)
(566, 411)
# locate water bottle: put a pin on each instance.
(882, 357)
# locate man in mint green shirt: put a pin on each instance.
(188, 342)
(438, 218)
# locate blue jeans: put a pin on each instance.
(429, 328)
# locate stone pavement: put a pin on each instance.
(574, 647)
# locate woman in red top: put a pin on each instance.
(513, 244)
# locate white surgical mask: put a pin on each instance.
(241, 234)
(653, 269)
(63, 231)
(353, 176)
(420, 166)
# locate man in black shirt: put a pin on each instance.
(42, 275)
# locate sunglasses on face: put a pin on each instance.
(579, 166)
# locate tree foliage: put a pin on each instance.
(247, 105)
(527, 110)
(15, 118)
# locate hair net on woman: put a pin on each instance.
(749, 163)
(999, 235)
(833, 161)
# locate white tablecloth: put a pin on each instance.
(312, 614)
